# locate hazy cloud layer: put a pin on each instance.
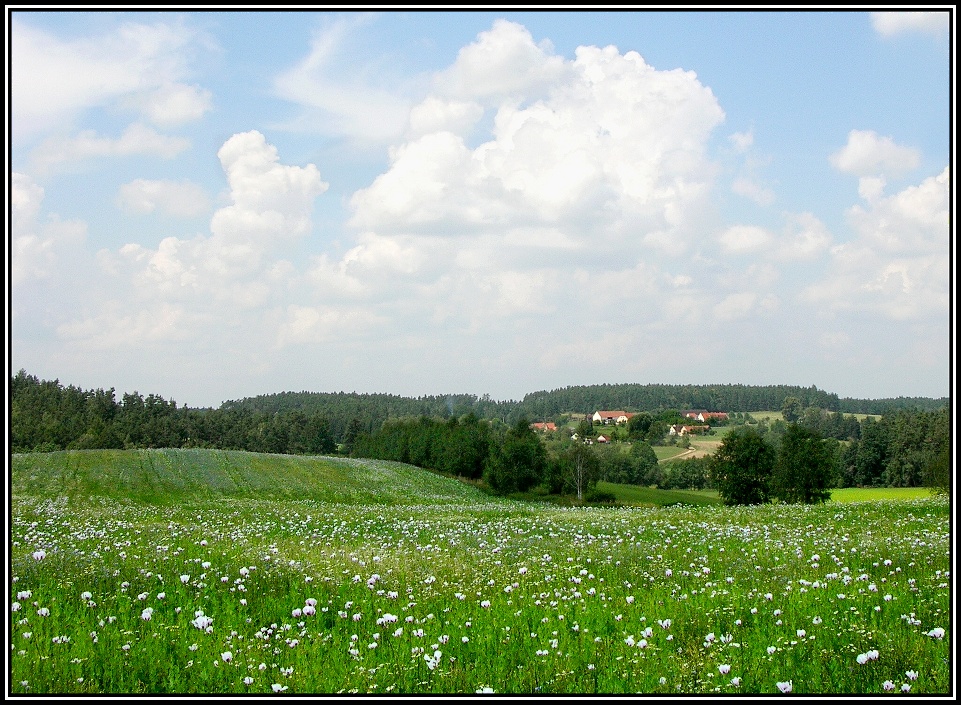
(175, 198)
(54, 79)
(137, 140)
(343, 98)
(889, 24)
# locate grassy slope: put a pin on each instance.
(161, 476)
(652, 497)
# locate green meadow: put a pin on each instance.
(212, 572)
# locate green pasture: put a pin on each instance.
(870, 494)
(665, 453)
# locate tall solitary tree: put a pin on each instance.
(580, 469)
(803, 469)
(742, 467)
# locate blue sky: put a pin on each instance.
(215, 205)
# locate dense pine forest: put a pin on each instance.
(468, 435)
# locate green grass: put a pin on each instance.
(870, 494)
(652, 497)
(665, 453)
(421, 584)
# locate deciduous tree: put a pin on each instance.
(742, 467)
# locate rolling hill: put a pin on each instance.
(171, 475)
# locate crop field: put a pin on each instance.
(208, 573)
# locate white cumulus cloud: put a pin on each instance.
(898, 265)
(270, 200)
(868, 154)
(593, 169)
(616, 147)
(39, 249)
(503, 63)
(271, 207)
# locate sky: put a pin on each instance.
(210, 206)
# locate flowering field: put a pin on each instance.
(224, 592)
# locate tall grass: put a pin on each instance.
(252, 589)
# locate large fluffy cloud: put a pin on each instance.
(610, 148)
(596, 165)
(503, 63)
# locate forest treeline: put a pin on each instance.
(551, 405)
(467, 435)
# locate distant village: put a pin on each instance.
(621, 418)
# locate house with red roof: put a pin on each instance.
(612, 417)
(546, 426)
(703, 415)
(685, 429)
